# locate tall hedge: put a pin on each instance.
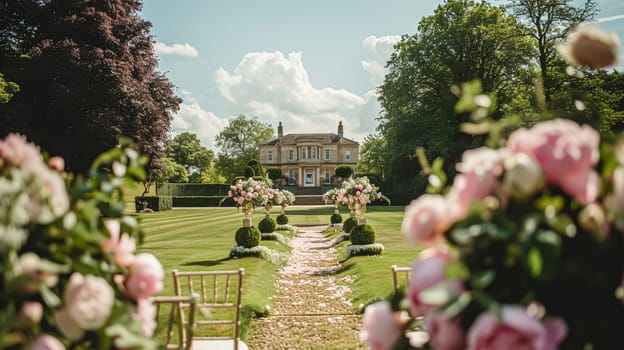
(344, 171)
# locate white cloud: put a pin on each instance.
(186, 50)
(378, 51)
(194, 119)
(277, 88)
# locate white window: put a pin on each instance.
(291, 176)
(291, 155)
(270, 155)
(313, 153)
(326, 154)
(327, 176)
(305, 153)
(347, 154)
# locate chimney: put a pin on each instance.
(340, 129)
(280, 130)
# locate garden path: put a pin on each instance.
(312, 307)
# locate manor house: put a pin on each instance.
(308, 160)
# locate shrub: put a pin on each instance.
(344, 171)
(349, 225)
(282, 219)
(335, 218)
(267, 225)
(257, 168)
(274, 173)
(249, 172)
(247, 237)
(363, 234)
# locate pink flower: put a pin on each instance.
(46, 342)
(30, 314)
(123, 248)
(515, 330)
(444, 333)
(480, 169)
(56, 163)
(145, 313)
(15, 150)
(88, 300)
(566, 152)
(146, 277)
(381, 329)
(429, 270)
(426, 219)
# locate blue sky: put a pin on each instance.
(308, 64)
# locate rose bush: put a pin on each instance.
(525, 249)
(68, 274)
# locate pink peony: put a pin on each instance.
(123, 248)
(480, 169)
(515, 330)
(15, 150)
(566, 152)
(88, 300)
(444, 333)
(146, 277)
(429, 270)
(426, 219)
(46, 342)
(56, 163)
(381, 329)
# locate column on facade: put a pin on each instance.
(300, 178)
(318, 176)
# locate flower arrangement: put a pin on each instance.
(357, 193)
(69, 277)
(525, 249)
(289, 199)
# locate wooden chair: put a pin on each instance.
(220, 294)
(179, 331)
(400, 274)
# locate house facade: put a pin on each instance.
(308, 160)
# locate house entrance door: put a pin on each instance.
(309, 178)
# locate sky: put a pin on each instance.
(308, 64)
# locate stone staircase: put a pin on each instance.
(309, 196)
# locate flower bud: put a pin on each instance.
(593, 219)
(523, 176)
(591, 47)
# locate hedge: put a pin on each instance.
(156, 203)
(202, 201)
(177, 189)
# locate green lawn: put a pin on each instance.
(199, 239)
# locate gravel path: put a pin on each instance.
(312, 307)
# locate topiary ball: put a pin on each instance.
(363, 234)
(335, 218)
(282, 219)
(247, 237)
(267, 225)
(349, 225)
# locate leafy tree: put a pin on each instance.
(274, 173)
(7, 89)
(548, 22)
(344, 171)
(88, 75)
(460, 42)
(186, 149)
(173, 172)
(238, 144)
(372, 155)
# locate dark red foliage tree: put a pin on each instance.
(87, 74)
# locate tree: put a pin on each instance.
(88, 75)
(548, 22)
(186, 149)
(372, 155)
(460, 42)
(173, 172)
(238, 144)
(7, 89)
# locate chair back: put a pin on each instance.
(220, 294)
(179, 325)
(400, 277)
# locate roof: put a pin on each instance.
(323, 138)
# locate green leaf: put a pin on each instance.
(48, 296)
(535, 262)
(483, 279)
(457, 271)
